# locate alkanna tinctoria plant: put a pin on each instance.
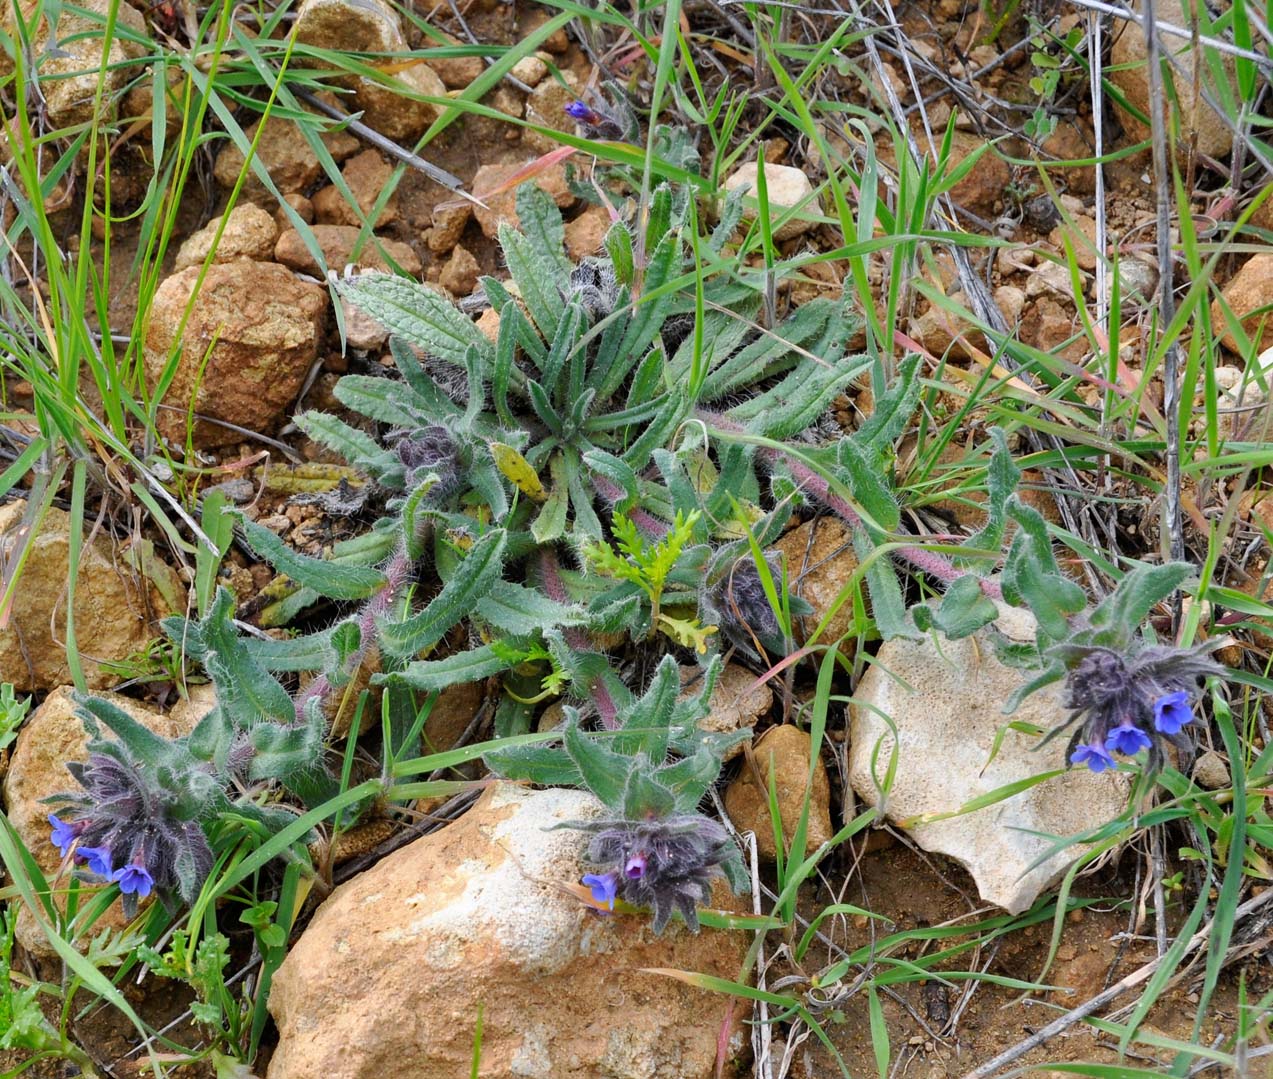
(653, 849)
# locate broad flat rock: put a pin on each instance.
(945, 703)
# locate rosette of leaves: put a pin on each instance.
(650, 773)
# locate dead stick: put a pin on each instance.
(1047, 1033)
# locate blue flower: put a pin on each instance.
(98, 859)
(634, 867)
(64, 834)
(1127, 739)
(134, 879)
(1172, 712)
(604, 887)
(1094, 756)
(582, 112)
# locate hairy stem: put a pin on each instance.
(928, 562)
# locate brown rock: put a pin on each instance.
(394, 107)
(459, 275)
(249, 233)
(337, 245)
(115, 608)
(259, 328)
(53, 737)
(983, 187)
(1250, 297)
(736, 702)
(287, 157)
(941, 331)
(546, 107)
(820, 561)
(449, 221)
(783, 751)
(586, 234)
(452, 713)
(1072, 142)
(1127, 72)
(502, 207)
(485, 907)
(367, 174)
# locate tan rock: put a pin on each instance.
(459, 275)
(944, 705)
(350, 26)
(337, 244)
(366, 174)
(942, 332)
(1127, 72)
(546, 107)
(586, 234)
(287, 157)
(361, 330)
(502, 207)
(783, 753)
(258, 327)
(51, 738)
(69, 73)
(1011, 303)
(1211, 771)
(115, 608)
(449, 222)
(787, 188)
(250, 233)
(304, 210)
(485, 907)
(1082, 239)
(488, 323)
(1249, 297)
(456, 72)
(530, 70)
(394, 108)
(737, 700)
(820, 561)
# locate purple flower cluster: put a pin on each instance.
(121, 817)
(666, 865)
(134, 879)
(1129, 704)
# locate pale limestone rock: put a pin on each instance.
(945, 701)
(787, 187)
(488, 913)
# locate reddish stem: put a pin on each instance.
(928, 562)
